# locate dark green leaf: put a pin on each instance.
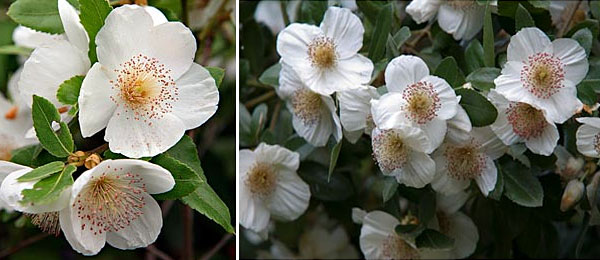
(390, 185)
(595, 8)
(259, 120)
(523, 18)
(585, 38)
(312, 11)
(26, 155)
(480, 110)
(336, 189)
(474, 56)
(49, 189)
(401, 36)
(335, 153)
(207, 202)
(496, 193)
(591, 24)
(586, 92)
(271, 75)
(381, 33)
(185, 151)
(92, 15)
(186, 179)
(427, 207)
(59, 144)
(15, 50)
(433, 239)
(544, 4)
(483, 78)
(217, 73)
(521, 186)
(68, 91)
(488, 38)
(38, 15)
(539, 239)
(448, 70)
(42, 172)
(370, 9)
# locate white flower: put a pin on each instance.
(51, 64)
(319, 242)
(459, 163)
(456, 225)
(522, 122)
(326, 58)
(588, 136)
(26, 37)
(6, 168)
(543, 73)
(15, 121)
(415, 97)
(459, 126)
(269, 186)
(355, 111)
(379, 240)
(567, 165)
(145, 89)
(112, 203)
(461, 18)
(269, 13)
(402, 151)
(314, 115)
(277, 251)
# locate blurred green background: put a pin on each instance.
(213, 24)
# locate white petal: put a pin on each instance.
(318, 133)
(289, 82)
(247, 159)
(546, 142)
(345, 29)
(292, 45)
(358, 215)
(7, 168)
(418, 171)
(350, 73)
(404, 71)
(509, 84)
(450, 204)
(136, 139)
(50, 66)
(447, 96)
(80, 239)
(459, 127)
(386, 110)
(465, 235)
(487, 180)
(442, 182)
(451, 20)
(355, 106)
(290, 198)
(435, 131)
(586, 140)
(143, 231)
(377, 226)
(562, 105)
(573, 56)
(198, 97)
(157, 179)
(95, 104)
(253, 214)
(423, 10)
(10, 193)
(157, 16)
(526, 42)
(501, 127)
(73, 27)
(277, 155)
(592, 121)
(26, 37)
(490, 143)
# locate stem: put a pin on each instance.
(563, 30)
(217, 247)
(156, 252)
(188, 226)
(25, 243)
(584, 228)
(284, 14)
(275, 116)
(99, 149)
(259, 99)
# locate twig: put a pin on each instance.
(184, 12)
(25, 243)
(563, 30)
(259, 99)
(422, 32)
(99, 149)
(284, 14)
(276, 113)
(217, 247)
(156, 252)
(188, 236)
(207, 49)
(166, 206)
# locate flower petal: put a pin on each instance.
(95, 104)
(198, 97)
(377, 226)
(81, 240)
(526, 42)
(345, 29)
(459, 126)
(501, 127)
(447, 96)
(487, 180)
(277, 155)
(435, 131)
(586, 140)
(26, 37)
(546, 142)
(573, 56)
(465, 235)
(423, 10)
(451, 203)
(254, 214)
(10, 193)
(73, 27)
(143, 231)
(157, 179)
(404, 71)
(418, 171)
(442, 182)
(355, 107)
(290, 198)
(292, 45)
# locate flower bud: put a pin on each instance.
(77, 158)
(572, 195)
(92, 160)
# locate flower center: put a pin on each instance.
(321, 52)
(597, 143)
(109, 203)
(307, 105)
(543, 75)
(47, 222)
(395, 247)
(144, 86)
(464, 162)
(6, 147)
(389, 150)
(262, 179)
(422, 102)
(527, 121)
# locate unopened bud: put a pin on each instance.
(92, 160)
(572, 194)
(409, 219)
(590, 166)
(358, 215)
(467, 85)
(77, 158)
(573, 168)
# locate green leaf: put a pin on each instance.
(38, 15)
(521, 186)
(434, 240)
(480, 110)
(186, 179)
(185, 151)
(591, 24)
(271, 75)
(390, 185)
(496, 193)
(207, 202)
(586, 92)
(42, 172)
(488, 38)
(59, 144)
(427, 207)
(401, 36)
(336, 189)
(15, 50)
(217, 73)
(483, 78)
(335, 153)
(370, 9)
(448, 70)
(68, 91)
(26, 155)
(595, 8)
(259, 120)
(381, 33)
(585, 38)
(312, 11)
(49, 189)
(92, 15)
(539, 239)
(474, 56)
(523, 18)
(543, 4)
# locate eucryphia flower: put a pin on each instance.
(456, 225)
(269, 13)
(459, 126)
(326, 58)
(314, 115)
(379, 240)
(459, 163)
(6, 168)
(522, 122)
(27, 37)
(112, 203)
(461, 18)
(15, 121)
(355, 111)
(51, 64)
(567, 166)
(543, 73)
(417, 98)
(269, 186)
(145, 89)
(588, 136)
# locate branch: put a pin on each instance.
(563, 30)
(259, 99)
(188, 236)
(217, 247)
(25, 243)
(156, 252)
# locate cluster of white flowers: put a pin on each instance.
(145, 91)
